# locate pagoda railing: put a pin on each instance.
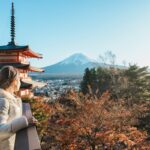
(27, 139)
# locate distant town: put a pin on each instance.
(54, 88)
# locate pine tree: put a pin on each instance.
(132, 84)
(86, 81)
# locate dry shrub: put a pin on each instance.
(82, 122)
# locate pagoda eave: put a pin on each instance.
(23, 49)
(32, 54)
(11, 47)
(12, 50)
(22, 66)
(16, 65)
(34, 69)
(34, 83)
(25, 85)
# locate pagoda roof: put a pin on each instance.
(20, 65)
(30, 84)
(25, 85)
(32, 54)
(12, 47)
(34, 83)
(35, 69)
(16, 65)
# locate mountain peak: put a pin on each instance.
(74, 64)
(77, 58)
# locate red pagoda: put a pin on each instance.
(15, 55)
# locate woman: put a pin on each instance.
(11, 118)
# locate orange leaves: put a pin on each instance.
(77, 122)
(41, 111)
(95, 122)
(136, 135)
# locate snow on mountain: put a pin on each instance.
(75, 64)
(78, 59)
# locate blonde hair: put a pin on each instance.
(7, 76)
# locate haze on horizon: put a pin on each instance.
(60, 28)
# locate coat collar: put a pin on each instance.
(5, 94)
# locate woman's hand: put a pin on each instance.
(33, 121)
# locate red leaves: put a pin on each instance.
(75, 121)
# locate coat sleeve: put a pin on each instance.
(8, 129)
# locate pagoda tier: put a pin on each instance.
(25, 85)
(35, 69)
(16, 65)
(22, 66)
(29, 81)
(25, 50)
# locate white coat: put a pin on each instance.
(11, 119)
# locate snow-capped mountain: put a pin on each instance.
(75, 64)
(78, 59)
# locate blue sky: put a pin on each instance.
(59, 28)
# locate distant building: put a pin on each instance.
(15, 55)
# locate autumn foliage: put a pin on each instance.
(41, 111)
(78, 122)
(112, 112)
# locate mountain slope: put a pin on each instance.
(75, 64)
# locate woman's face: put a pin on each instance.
(17, 83)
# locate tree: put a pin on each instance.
(132, 84)
(108, 59)
(89, 81)
(93, 124)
